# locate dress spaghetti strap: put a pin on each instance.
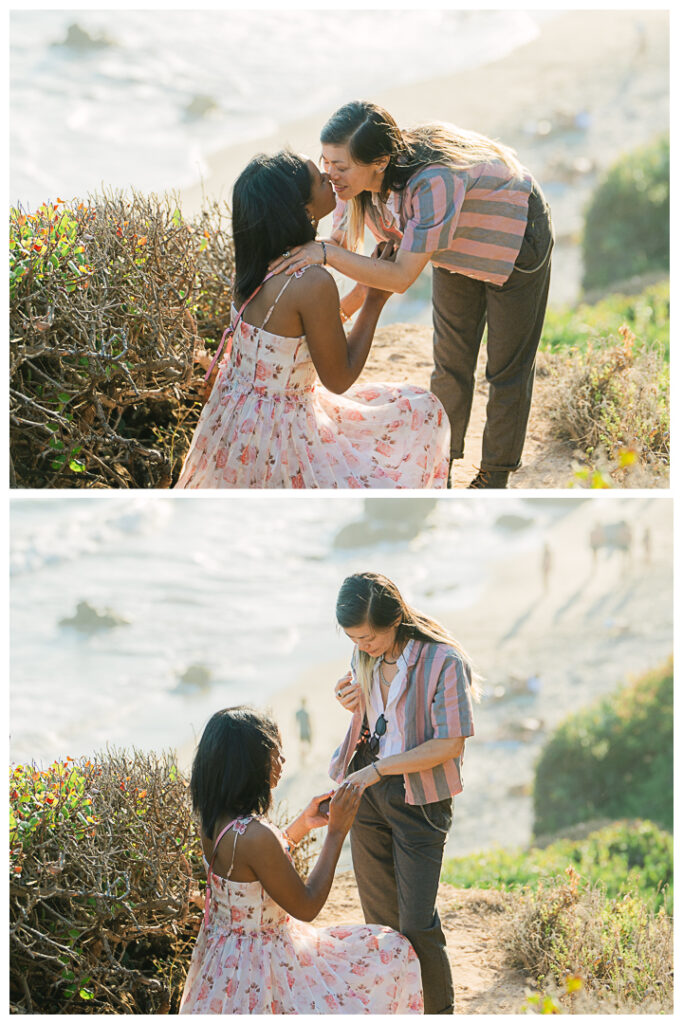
(268, 314)
(207, 896)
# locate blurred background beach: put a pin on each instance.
(134, 618)
(168, 99)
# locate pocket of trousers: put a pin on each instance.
(539, 236)
(439, 815)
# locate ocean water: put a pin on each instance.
(240, 591)
(170, 86)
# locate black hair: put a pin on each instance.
(268, 215)
(232, 766)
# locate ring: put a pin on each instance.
(287, 254)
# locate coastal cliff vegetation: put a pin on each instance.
(106, 875)
(111, 298)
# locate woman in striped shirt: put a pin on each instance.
(465, 204)
(412, 685)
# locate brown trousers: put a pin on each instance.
(397, 856)
(513, 313)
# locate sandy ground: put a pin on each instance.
(482, 980)
(593, 85)
(403, 352)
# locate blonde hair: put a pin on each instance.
(370, 133)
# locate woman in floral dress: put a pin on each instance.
(256, 952)
(285, 410)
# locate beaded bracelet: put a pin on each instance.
(290, 842)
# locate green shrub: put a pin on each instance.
(102, 857)
(105, 875)
(110, 301)
(615, 953)
(614, 759)
(633, 857)
(627, 220)
(647, 315)
(612, 401)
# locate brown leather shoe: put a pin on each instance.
(486, 478)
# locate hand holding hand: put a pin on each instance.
(343, 807)
(348, 693)
(365, 777)
(313, 816)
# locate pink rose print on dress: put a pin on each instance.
(370, 394)
(262, 371)
(268, 396)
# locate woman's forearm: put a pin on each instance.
(299, 829)
(319, 882)
(382, 274)
(419, 759)
(360, 337)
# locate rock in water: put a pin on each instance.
(195, 677)
(79, 39)
(386, 521)
(89, 620)
(199, 106)
(513, 522)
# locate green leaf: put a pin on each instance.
(76, 467)
(85, 993)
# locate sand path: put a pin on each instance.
(471, 921)
(403, 352)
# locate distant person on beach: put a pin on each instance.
(303, 721)
(546, 566)
(465, 204)
(284, 410)
(410, 690)
(254, 952)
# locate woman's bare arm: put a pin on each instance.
(419, 759)
(261, 851)
(394, 276)
(337, 358)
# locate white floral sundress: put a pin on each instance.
(270, 423)
(252, 957)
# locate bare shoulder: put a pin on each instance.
(260, 836)
(315, 284)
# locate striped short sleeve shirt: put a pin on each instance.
(471, 220)
(436, 703)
